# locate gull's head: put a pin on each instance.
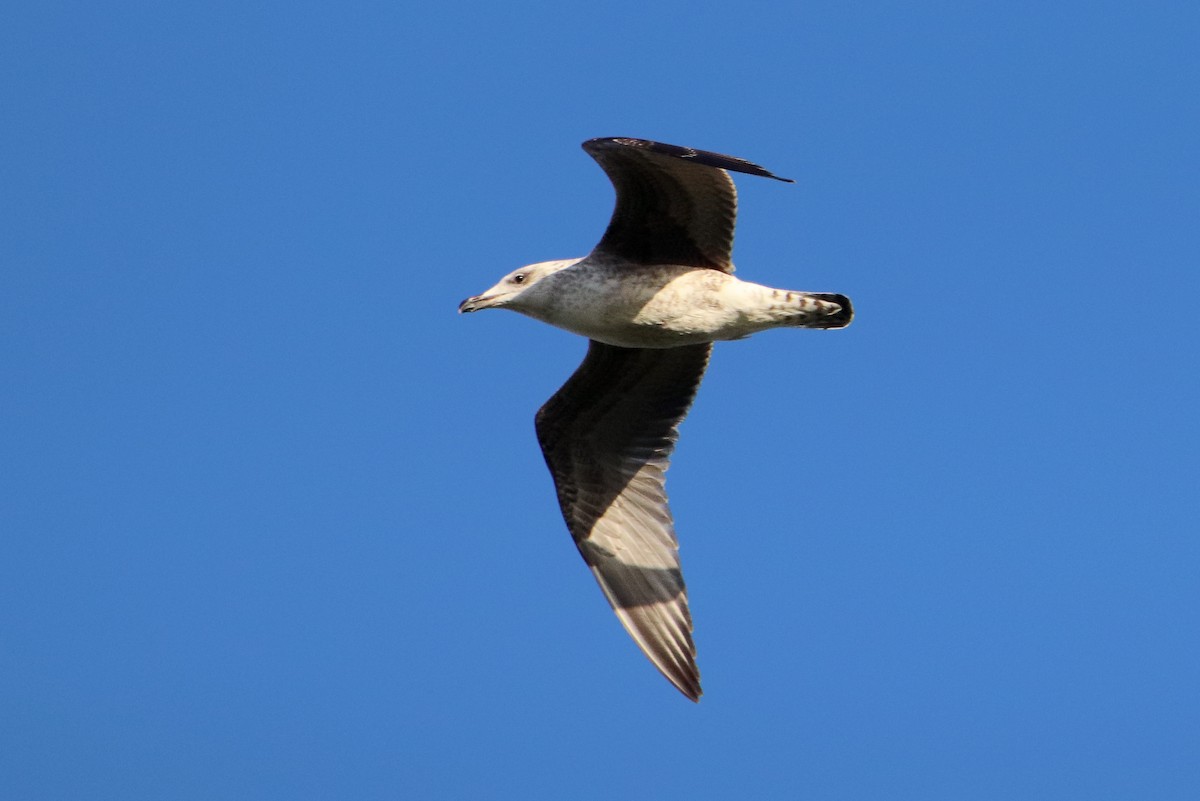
(516, 290)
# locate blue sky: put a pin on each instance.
(274, 523)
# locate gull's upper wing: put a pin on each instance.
(675, 205)
(607, 436)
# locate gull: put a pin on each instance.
(651, 298)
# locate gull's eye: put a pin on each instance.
(519, 278)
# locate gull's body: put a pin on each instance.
(658, 305)
(652, 297)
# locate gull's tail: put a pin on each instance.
(809, 309)
(839, 317)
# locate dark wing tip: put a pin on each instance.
(705, 157)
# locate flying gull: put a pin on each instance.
(652, 297)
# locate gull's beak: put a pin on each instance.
(471, 304)
(480, 302)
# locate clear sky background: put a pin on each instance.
(273, 520)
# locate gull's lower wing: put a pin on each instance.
(607, 436)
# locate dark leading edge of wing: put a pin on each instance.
(705, 157)
(675, 205)
(607, 436)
